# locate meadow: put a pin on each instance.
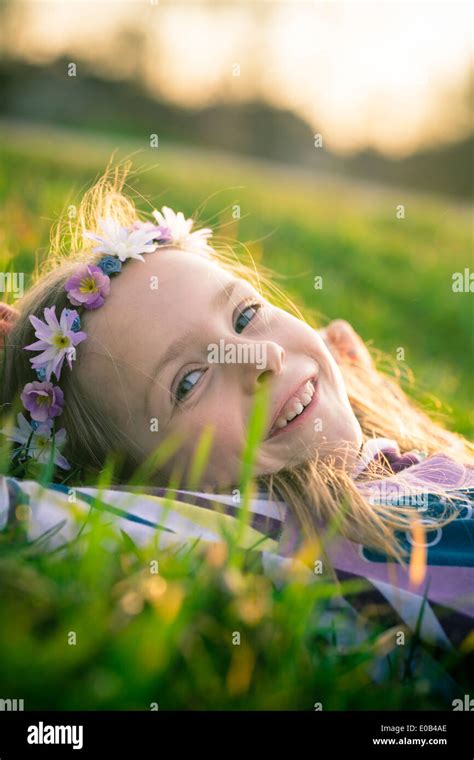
(388, 274)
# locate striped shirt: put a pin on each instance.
(440, 606)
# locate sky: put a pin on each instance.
(362, 74)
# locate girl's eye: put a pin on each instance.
(187, 383)
(245, 316)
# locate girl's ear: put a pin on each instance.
(345, 344)
(8, 317)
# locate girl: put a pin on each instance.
(137, 308)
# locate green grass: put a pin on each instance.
(104, 624)
(167, 639)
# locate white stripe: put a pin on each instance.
(4, 502)
(261, 506)
(50, 507)
(408, 606)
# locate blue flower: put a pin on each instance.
(41, 374)
(110, 265)
(76, 323)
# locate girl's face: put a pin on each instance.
(181, 345)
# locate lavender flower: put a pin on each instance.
(57, 341)
(42, 400)
(88, 287)
(162, 234)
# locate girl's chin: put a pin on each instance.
(340, 448)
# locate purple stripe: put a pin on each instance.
(450, 586)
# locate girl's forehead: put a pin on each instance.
(164, 290)
(176, 270)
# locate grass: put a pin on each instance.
(93, 625)
(142, 639)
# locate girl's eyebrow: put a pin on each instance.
(178, 346)
(174, 350)
(223, 295)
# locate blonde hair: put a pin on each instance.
(316, 490)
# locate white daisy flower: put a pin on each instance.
(40, 441)
(124, 242)
(179, 229)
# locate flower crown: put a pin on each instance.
(58, 338)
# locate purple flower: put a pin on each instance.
(88, 287)
(57, 341)
(162, 234)
(42, 400)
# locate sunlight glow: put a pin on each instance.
(360, 73)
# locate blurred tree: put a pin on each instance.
(453, 110)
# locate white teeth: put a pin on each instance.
(297, 408)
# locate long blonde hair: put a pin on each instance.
(316, 489)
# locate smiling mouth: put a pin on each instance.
(297, 408)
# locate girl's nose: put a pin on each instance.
(266, 360)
